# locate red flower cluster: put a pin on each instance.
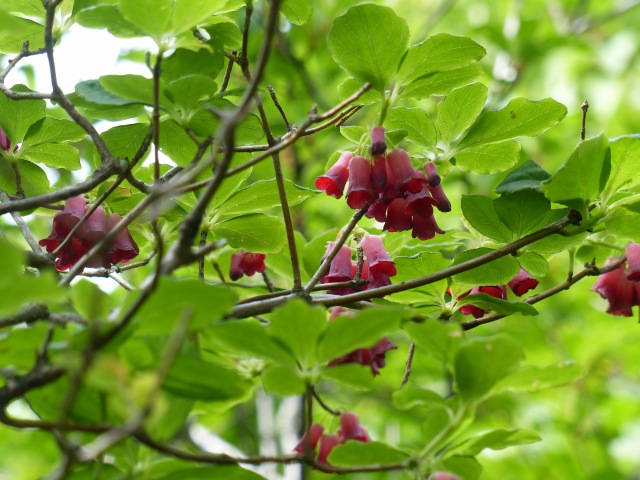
(350, 429)
(397, 194)
(122, 249)
(621, 289)
(521, 284)
(376, 269)
(246, 263)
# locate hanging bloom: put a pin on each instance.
(350, 429)
(123, 247)
(360, 191)
(335, 179)
(378, 259)
(340, 268)
(378, 144)
(314, 433)
(379, 174)
(246, 263)
(522, 283)
(633, 261)
(425, 228)
(327, 442)
(444, 476)
(443, 204)
(397, 218)
(420, 203)
(377, 210)
(497, 291)
(373, 357)
(405, 177)
(618, 290)
(433, 179)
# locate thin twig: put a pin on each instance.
(408, 365)
(274, 97)
(584, 107)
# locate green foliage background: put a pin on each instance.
(565, 49)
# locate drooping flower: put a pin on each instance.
(377, 210)
(433, 179)
(497, 291)
(379, 174)
(522, 283)
(621, 293)
(420, 203)
(123, 247)
(397, 218)
(378, 144)
(374, 357)
(313, 434)
(327, 442)
(333, 182)
(246, 263)
(442, 202)
(378, 259)
(350, 429)
(444, 476)
(340, 268)
(405, 177)
(425, 228)
(633, 261)
(360, 191)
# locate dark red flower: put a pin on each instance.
(618, 290)
(420, 203)
(522, 283)
(377, 210)
(314, 433)
(405, 177)
(327, 442)
(425, 228)
(350, 429)
(373, 357)
(379, 174)
(633, 261)
(433, 178)
(443, 204)
(123, 247)
(335, 179)
(497, 291)
(360, 191)
(340, 268)
(5, 143)
(378, 144)
(397, 218)
(378, 259)
(246, 263)
(444, 476)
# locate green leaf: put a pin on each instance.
(132, 87)
(187, 91)
(189, 13)
(351, 375)
(254, 233)
(54, 155)
(533, 379)
(441, 83)
(623, 223)
(176, 298)
(229, 186)
(436, 338)
(496, 440)
(191, 377)
(297, 12)
(497, 272)
(18, 289)
(109, 17)
(16, 116)
(522, 211)
(491, 158)
(497, 305)
(52, 130)
(440, 52)
(420, 129)
(625, 152)
(205, 472)
(354, 133)
(528, 176)
(420, 265)
(92, 91)
(89, 301)
(556, 243)
(150, 16)
(247, 338)
(520, 117)
(481, 214)
(298, 326)
(481, 363)
(533, 263)
(345, 334)
(16, 30)
(459, 109)
(351, 85)
(225, 31)
(283, 381)
(411, 396)
(263, 196)
(125, 140)
(353, 453)
(582, 177)
(34, 180)
(186, 63)
(26, 8)
(368, 42)
(176, 144)
(467, 468)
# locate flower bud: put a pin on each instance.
(378, 144)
